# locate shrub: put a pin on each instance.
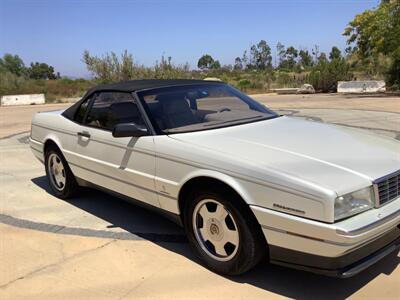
(393, 77)
(243, 84)
(325, 75)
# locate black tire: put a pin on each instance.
(252, 247)
(70, 187)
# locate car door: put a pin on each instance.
(125, 165)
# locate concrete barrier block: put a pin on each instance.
(22, 99)
(367, 86)
(284, 91)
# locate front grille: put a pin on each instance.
(388, 188)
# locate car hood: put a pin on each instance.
(336, 157)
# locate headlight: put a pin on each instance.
(354, 203)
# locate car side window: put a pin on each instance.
(112, 108)
(80, 114)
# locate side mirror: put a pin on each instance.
(129, 130)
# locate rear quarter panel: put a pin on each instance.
(53, 126)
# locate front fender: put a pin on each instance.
(228, 180)
(265, 196)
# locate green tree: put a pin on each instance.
(164, 69)
(280, 50)
(245, 60)
(110, 67)
(377, 32)
(335, 53)
(205, 62)
(260, 56)
(290, 60)
(306, 60)
(41, 71)
(349, 51)
(13, 64)
(322, 58)
(215, 65)
(315, 53)
(238, 64)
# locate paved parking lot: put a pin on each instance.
(370, 102)
(97, 246)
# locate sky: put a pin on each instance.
(58, 31)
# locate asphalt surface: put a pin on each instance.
(98, 246)
(385, 123)
(366, 102)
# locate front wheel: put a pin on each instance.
(62, 181)
(222, 232)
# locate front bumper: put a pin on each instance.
(341, 249)
(344, 266)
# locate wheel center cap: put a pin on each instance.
(215, 229)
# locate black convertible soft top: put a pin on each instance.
(136, 85)
(132, 86)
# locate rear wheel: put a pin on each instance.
(62, 181)
(222, 232)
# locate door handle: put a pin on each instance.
(84, 134)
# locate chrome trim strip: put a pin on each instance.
(368, 226)
(123, 181)
(358, 243)
(307, 237)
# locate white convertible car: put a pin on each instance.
(246, 183)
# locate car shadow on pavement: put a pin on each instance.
(304, 285)
(298, 284)
(134, 219)
(279, 280)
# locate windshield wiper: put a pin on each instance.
(236, 120)
(209, 124)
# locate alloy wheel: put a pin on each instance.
(215, 230)
(56, 171)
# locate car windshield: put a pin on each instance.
(201, 107)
